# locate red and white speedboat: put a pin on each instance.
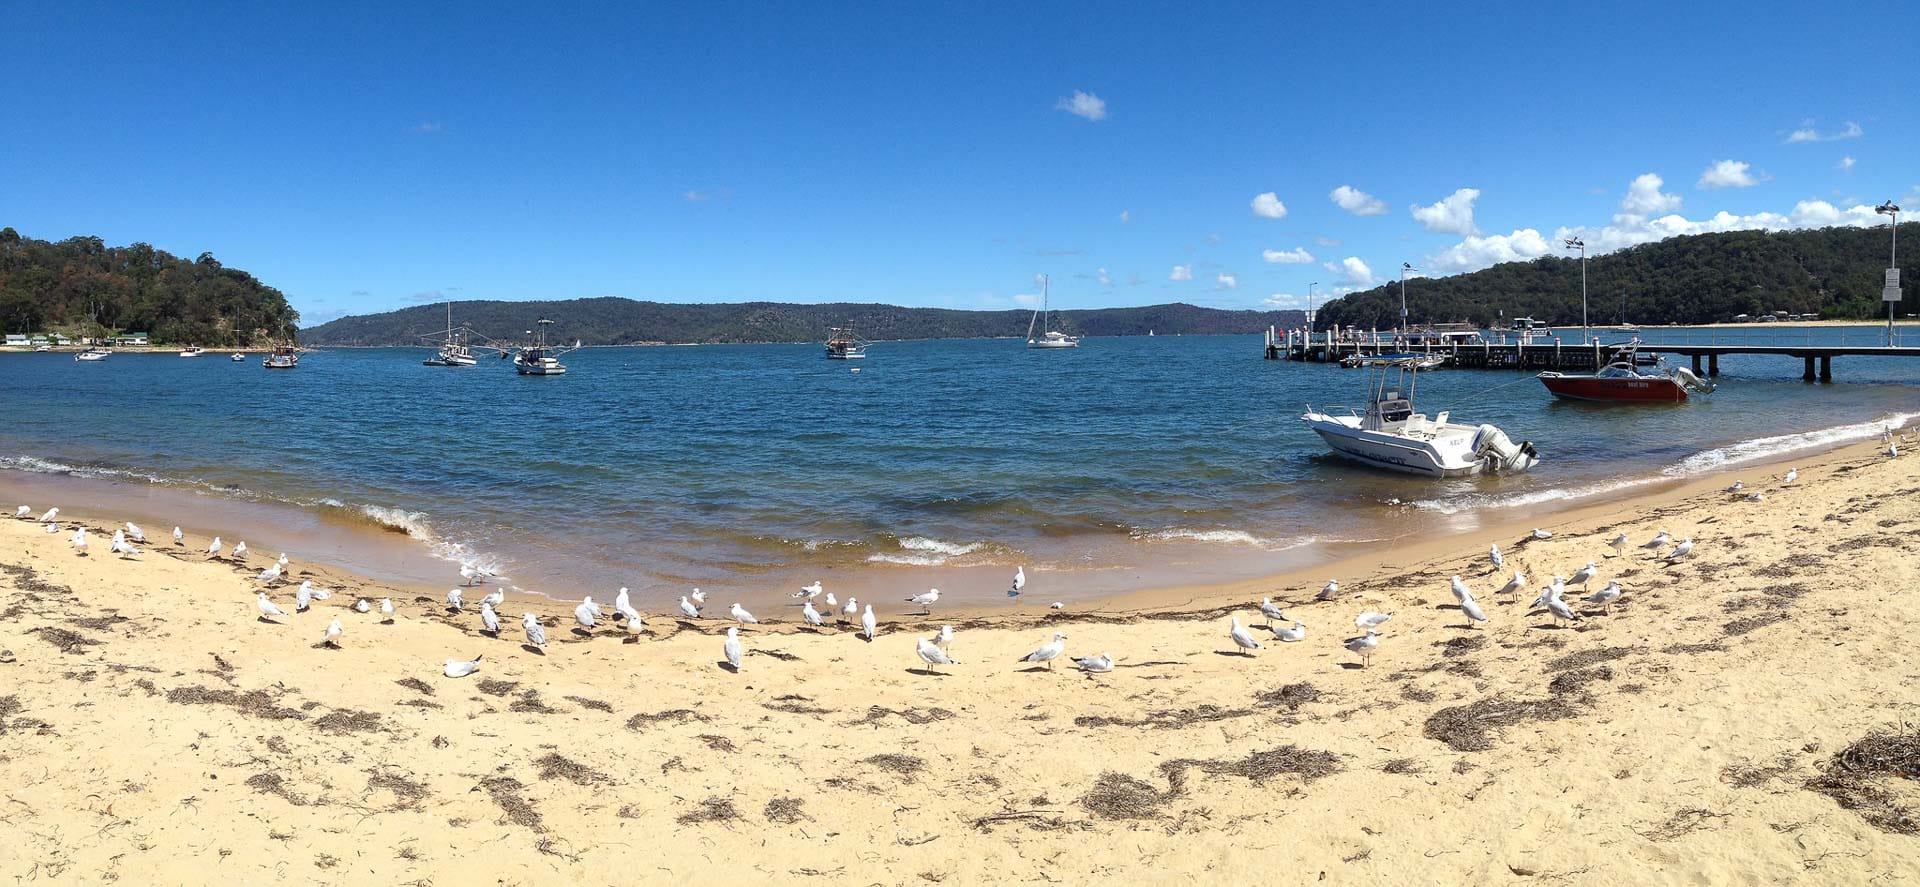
(1623, 381)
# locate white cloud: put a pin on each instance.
(1181, 272)
(1126, 216)
(1475, 253)
(1268, 206)
(1809, 133)
(1452, 215)
(1645, 198)
(1284, 302)
(1296, 256)
(1358, 202)
(695, 196)
(1100, 275)
(1353, 271)
(1729, 174)
(1326, 241)
(1846, 164)
(1226, 282)
(1083, 104)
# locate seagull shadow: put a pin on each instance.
(1241, 654)
(1446, 606)
(728, 666)
(686, 625)
(389, 621)
(268, 620)
(582, 632)
(927, 671)
(1036, 668)
(1351, 666)
(533, 649)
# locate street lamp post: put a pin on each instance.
(1405, 270)
(1581, 245)
(1312, 304)
(1891, 292)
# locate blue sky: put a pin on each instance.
(368, 158)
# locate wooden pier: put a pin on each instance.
(1327, 347)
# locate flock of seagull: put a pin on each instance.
(935, 650)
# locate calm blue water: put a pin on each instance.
(752, 468)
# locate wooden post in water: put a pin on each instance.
(1826, 369)
(1713, 364)
(1804, 377)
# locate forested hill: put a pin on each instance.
(82, 287)
(610, 321)
(1701, 278)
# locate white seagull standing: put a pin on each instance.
(926, 600)
(832, 605)
(458, 669)
(583, 614)
(1241, 637)
(1019, 581)
(121, 545)
(79, 540)
(1290, 634)
(269, 575)
(268, 609)
(1493, 554)
(732, 646)
(1461, 593)
(1793, 474)
(810, 615)
(636, 623)
(386, 609)
(623, 605)
(810, 591)
(1471, 609)
(1681, 551)
(1584, 575)
(1100, 664)
(1618, 544)
(363, 606)
(589, 604)
(489, 620)
(945, 637)
(453, 600)
(1363, 646)
(135, 533)
(498, 597)
(1549, 594)
(333, 633)
(1272, 610)
(868, 624)
(932, 655)
(179, 538)
(852, 609)
(687, 608)
(240, 551)
(303, 598)
(1659, 540)
(23, 511)
(1330, 589)
(1513, 585)
(699, 597)
(1048, 651)
(1605, 596)
(51, 515)
(740, 614)
(1560, 610)
(1738, 485)
(536, 633)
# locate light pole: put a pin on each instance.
(1311, 303)
(1581, 245)
(1405, 270)
(1891, 292)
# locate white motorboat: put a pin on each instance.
(192, 351)
(1392, 436)
(93, 354)
(238, 357)
(1048, 338)
(42, 349)
(541, 359)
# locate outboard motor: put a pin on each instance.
(1500, 453)
(1690, 381)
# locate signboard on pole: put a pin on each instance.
(1893, 277)
(1890, 294)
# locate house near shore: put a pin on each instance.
(17, 340)
(136, 340)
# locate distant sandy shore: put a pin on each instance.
(154, 730)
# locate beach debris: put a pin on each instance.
(332, 638)
(536, 633)
(1291, 634)
(732, 646)
(1272, 611)
(1048, 651)
(268, 609)
(926, 600)
(1241, 637)
(1605, 596)
(489, 620)
(1100, 664)
(687, 608)
(1328, 590)
(932, 655)
(1371, 619)
(1363, 646)
(741, 615)
(868, 624)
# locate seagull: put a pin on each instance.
(214, 549)
(1371, 619)
(499, 596)
(1618, 543)
(624, 605)
(267, 608)
(179, 538)
(536, 633)
(23, 511)
(1893, 449)
(868, 623)
(810, 591)
(1057, 605)
(121, 545)
(732, 646)
(1364, 645)
(1513, 585)
(1470, 608)
(1793, 474)
(386, 609)
(636, 623)
(489, 620)
(333, 633)
(583, 614)
(1461, 593)
(832, 604)
(932, 655)
(363, 606)
(135, 533)
(79, 540)
(1681, 551)
(319, 594)
(468, 575)
(53, 514)
(269, 574)
(740, 613)
(1738, 485)
(1494, 555)
(1100, 664)
(810, 615)
(1241, 637)
(240, 551)
(852, 610)
(1330, 589)
(927, 600)
(699, 597)
(1659, 540)
(282, 562)
(1290, 634)
(1560, 610)
(1272, 610)
(687, 608)
(303, 598)
(1048, 651)
(1019, 581)
(1549, 594)
(453, 599)
(52, 528)
(1540, 534)
(1605, 596)
(1584, 575)
(945, 637)
(1756, 496)
(589, 604)
(457, 669)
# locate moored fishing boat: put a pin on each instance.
(192, 351)
(539, 358)
(282, 357)
(843, 344)
(1392, 436)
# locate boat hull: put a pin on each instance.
(1599, 389)
(1041, 343)
(1389, 452)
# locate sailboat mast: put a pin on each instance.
(1046, 324)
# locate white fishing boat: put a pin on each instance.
(539, 358)
(92, 354)
(843, 344)
(1048, 338)
(1392, 436)
(282, 357)
(454, 351)
(192, 351)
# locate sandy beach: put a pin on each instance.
(154, 729)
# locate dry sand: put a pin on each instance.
(153, 730)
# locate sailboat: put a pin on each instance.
(1049, 338)
(453, 349)
(541, 359)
